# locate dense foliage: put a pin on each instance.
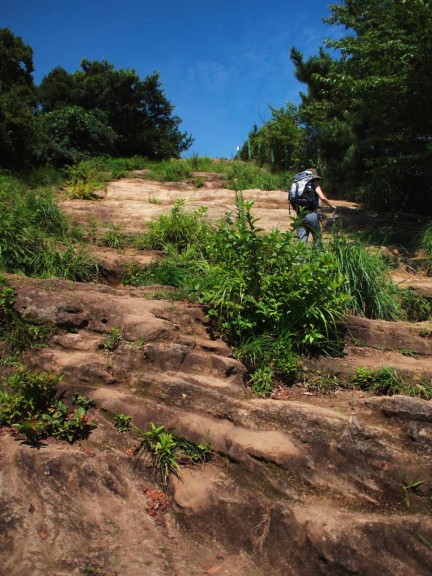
(280, 142)
(137, 111)
(366, 117)
(71, 117)
(18, 101)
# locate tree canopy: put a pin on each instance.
(136, 110)
(17, 100)
(94, 110)
(367, 111)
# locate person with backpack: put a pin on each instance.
(305, 196)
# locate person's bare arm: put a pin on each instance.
(324, 198)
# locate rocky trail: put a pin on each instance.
(303, 484)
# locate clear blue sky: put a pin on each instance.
(222, 63)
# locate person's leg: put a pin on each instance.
(302, 232)
(312, 225)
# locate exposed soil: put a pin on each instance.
(312, 481)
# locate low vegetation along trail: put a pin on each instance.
(315, 480)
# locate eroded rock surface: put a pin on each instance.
(307, 486)
(297, 488)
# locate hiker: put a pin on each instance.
(305, 197)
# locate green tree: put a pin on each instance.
(279, 141)
(388, 79)
(71, 134)
(17, 101)
(137, 110)
(57, 90)
(329, 139)
(372, 101)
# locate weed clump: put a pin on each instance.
(167, 451)
(29, 403)
(388, 382)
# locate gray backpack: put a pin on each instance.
(301, 193)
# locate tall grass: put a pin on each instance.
(34, 236)
(179, 228)
(247, 175)
(371, 292)
(425, 244)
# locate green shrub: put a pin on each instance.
(262, 381)
(270, 284)
(269, 295)
(122, 422)
(29, 403)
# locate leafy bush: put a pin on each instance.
(270, 284)
(269, 295)
(70, 134)
(29, 403)
(371, 292)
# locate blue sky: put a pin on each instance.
(222, 63)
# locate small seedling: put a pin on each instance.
(122, 422)
(83, 401)
(168, 451)
(113, 340)
(410, 488)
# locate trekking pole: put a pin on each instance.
(331, 221)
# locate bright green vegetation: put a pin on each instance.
(371, 292)
(270, 296)
(167, 451)
(29, 403)
(387, 381)
(415, 306)
(122, 422)
(89, 175)
(34, 237)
